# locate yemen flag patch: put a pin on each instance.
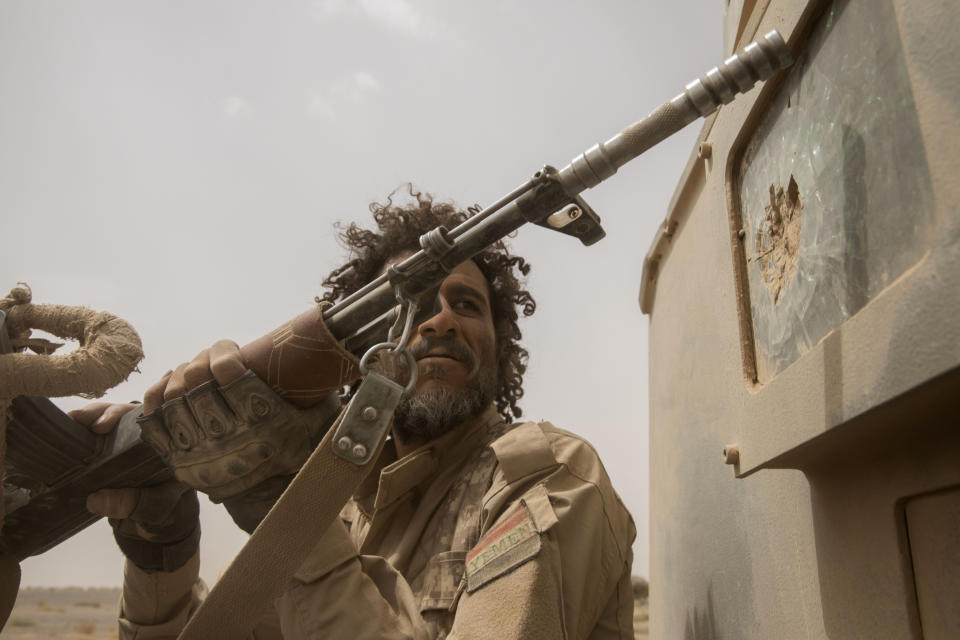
(503, 548)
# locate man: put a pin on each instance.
(469, 526)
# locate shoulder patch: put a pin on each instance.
(503, 548)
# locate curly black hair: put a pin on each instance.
(399, 228)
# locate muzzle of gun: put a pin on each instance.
(49, 514)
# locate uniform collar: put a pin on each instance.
(393, 478)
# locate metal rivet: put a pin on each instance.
(344, 443)
(359, 451)
(574, 213)
(705, 150)
(731, 454)
(369, 414)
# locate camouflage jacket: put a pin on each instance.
(493, 530)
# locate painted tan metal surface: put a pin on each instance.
(807, 535)
(933, 528)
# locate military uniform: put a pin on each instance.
(493, 530)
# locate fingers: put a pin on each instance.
(220, 362)
(177, 384)
(195, 373)
(225, 361)
(201, 369)
(111, 416)
(113, 503)
(153, 397)
(101, 417)
(89, 413)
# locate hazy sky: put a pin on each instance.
(181, 164)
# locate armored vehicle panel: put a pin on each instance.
(804, 306)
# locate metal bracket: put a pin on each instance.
(576, 219)
(367, 418)
(437, 244)
(550, 206)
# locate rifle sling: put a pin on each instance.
(279, 545)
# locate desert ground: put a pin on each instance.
(71, 613)
(76, 613)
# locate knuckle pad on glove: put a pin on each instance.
(155, 434)
(225, 440)
(183, 429)
(211, 411)
(252, 400)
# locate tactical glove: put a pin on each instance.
(163, 530)
(226, 441)
(250, 507)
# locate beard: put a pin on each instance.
(427, 415)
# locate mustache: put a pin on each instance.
(448, 345)
(397, 369)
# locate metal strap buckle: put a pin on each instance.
(367, 418)
(370, 412)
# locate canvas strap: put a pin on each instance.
(308, 507)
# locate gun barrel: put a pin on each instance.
(739, 73)
(757, 62)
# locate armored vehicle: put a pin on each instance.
(803, 297)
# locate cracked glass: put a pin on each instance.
(834, 186)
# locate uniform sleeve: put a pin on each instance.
(156, 605)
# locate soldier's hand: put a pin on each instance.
(158, 527)
(223, 430)
(220, 362)
(101, 417)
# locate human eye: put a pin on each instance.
(466, 305)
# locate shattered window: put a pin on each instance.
(834, 186)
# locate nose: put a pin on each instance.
(443, 323)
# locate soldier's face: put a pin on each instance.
(455, 349)
(456, 360)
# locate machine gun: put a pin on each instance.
(53, 462)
